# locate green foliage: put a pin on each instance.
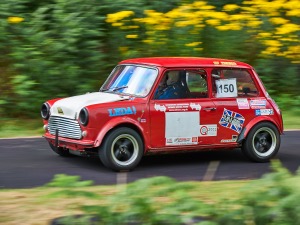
(273, 200)
(62, 180)
(54, 51)
(59, 48)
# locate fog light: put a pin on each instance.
(84, 133)
(45, 127)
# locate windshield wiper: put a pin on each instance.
(114, 89)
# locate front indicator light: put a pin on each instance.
(84, 133)
(45, 127)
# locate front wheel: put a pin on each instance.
(122, 149)
(262, 143)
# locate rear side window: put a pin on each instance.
(233, 83)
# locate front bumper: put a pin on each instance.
(76, 145)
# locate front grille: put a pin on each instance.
(67, 128)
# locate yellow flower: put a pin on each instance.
(133, 27)
(293, 12)
(278, 20)
(148, 41)
(218, 15)
(132, 36)
(272, 43)
(254, 23)
(117, 24)
(287, 28)
(271, 51)
(114, 17)
(193, 44)
(198, 49)
(230, 26)
(213, 22)
(15, 19)
(175, 13)
(264, 34)
(230, 7)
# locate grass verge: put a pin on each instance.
(40, 206)
(20, 128)
(273, 199)
(291, 120)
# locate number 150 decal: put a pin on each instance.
(226, 88)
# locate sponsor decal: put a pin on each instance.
(182, 124)
(258, 103)
(264, 112)
(224, 63)
(208, 130)
(233, 139)
(195, 106)
(232, 120)
(141, 120)
(243, 103)
(181, 140)
(180, 107)
(161, 108)
(122, 111)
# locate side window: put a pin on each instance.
(233, 83)
(178, 84)
(197, 83)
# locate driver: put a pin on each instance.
(170, 87)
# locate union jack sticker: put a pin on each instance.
(232, 120)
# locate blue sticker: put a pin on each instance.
(232, 120)
(122, 111)
(264, 112)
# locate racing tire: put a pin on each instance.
(60, 151)
(122, 149)
(262, 142)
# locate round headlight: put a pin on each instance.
(84, 117)
(45, 111)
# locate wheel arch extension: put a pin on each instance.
(245, 131)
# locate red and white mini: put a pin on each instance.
(167, 104)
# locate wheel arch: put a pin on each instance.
(130, 123)
(252, 123)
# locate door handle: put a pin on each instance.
(209, 109)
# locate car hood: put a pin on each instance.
(70, 107)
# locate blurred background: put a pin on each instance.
(58, 48)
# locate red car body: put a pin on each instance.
(224, 115)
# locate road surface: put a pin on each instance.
(29, 162)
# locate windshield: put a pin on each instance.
(130, 79)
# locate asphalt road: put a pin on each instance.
(29, 162)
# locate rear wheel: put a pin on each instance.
(60, 151)
(262, 143)
(122, 149)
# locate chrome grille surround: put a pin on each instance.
(66, 127)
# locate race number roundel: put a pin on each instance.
(226, 88)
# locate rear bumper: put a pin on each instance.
(69, 143)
